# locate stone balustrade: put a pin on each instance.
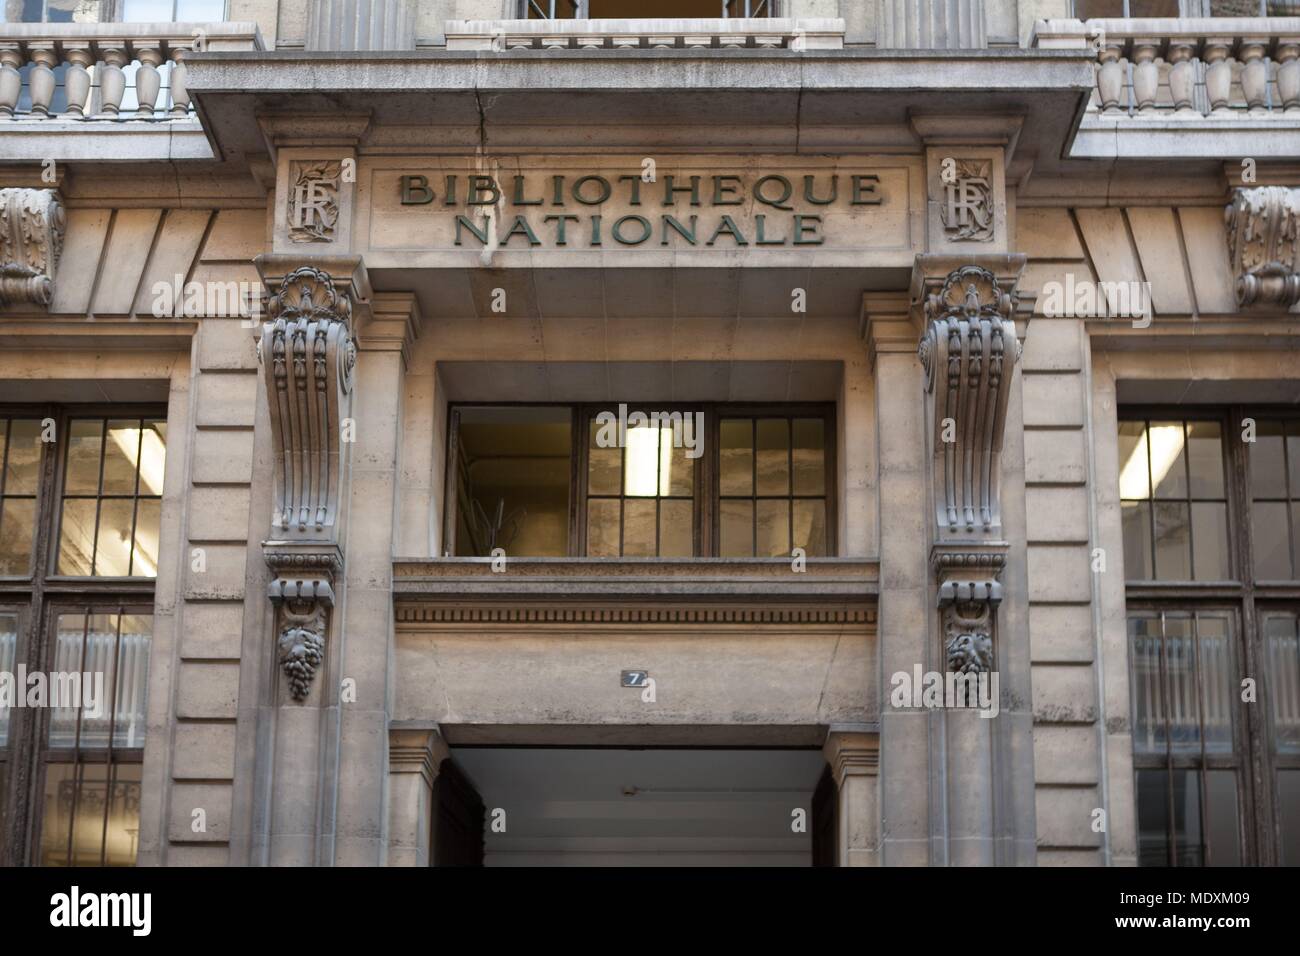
(762, 33)
(95, 56)
(1187, 68)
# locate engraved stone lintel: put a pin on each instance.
(1263, 225)
(31, 239)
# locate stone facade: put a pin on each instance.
(312, 260)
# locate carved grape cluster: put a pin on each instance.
(301, 653)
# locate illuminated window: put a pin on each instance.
(1209, 503)
(80, 514)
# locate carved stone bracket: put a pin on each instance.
(31, 238)
(968, 351)
(303, 595)
(1263, 223)
(307, 356)
(969, 594)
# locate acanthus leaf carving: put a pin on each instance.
(31, 240)
(1263, 225)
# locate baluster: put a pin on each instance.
(1110, 78)
(1288, 73)
(147, 80)
(112, 82)
(11, 81)
(180, 94)
(76, 81)
(40, 81)
(1254, 75)
(1146, 75)
(1182, 76)
(1218, 75)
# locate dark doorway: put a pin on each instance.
(457, 819)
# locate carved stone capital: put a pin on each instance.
(302, 592)
(1262, 224)
(31, 238)
(968, 350)
(851, 752)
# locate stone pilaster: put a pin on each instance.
(969, 352)
(931, 25)
(890, 331)
(307, 355)
(854, 758)
(414, 759)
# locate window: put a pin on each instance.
(1207, 505)
(1089, 9)
(640, 481)
(112, 11)
(634, 9)
(80, 510)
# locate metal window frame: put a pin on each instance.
(706, 531)
(1250, 599)
(35, 597)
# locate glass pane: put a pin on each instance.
(1267, 462)
(676, 470)
(1269, 531)
(121, 452)
(1288, 793)
(153, 458)
(1089, 9)
(773, 456)
(1145, 686)
(641, 461)
(604, 463)
(1136, 519)
(773, 529)
(1181, 685)
(1168, 459)
(1217, 699)
(1153, 817)
(76, 536)
(736, 457)
(200, 11)
(4, 788)
(56, 819)
(17, 518)
(1282, 651)
(676, 528)
(1222, 822)
(130, 694)
(23, 470)
(810, 527)
(1173, 547)
(113, 542)
(1134, 479)
(639, 520)
(82, 470)
(72, 11)
(144, 556)
(69, 631)
(514, 480)
(736, 529)
(93, 844)
(147, 11)
(1153, 8)
(809, 456)
(602, 527)
(1210, 541)
(100, 662)
(1186, 787)
(8, 649)
(1205, 459)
